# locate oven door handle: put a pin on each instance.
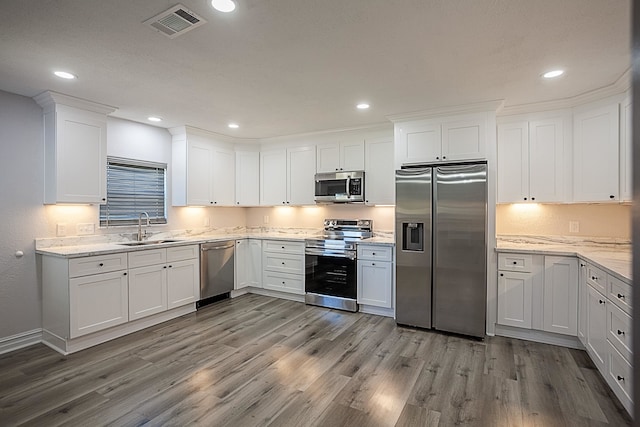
(320, 252)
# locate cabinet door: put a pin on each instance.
(513, 162)
(546, 161)
(199, 174)
(375, 286)
(247, 178)
(147, 291)
(560, 300)
(379, 173)
(596, 157)
(352, 155)
(301, 163)
(223, 172)
(81, 157)
(273, 178)
(255, 263)
(417, 142)
(328, 157)
(183, 283)
(582, 303)
(242, 259)
(626, 154)
(514, 299)
(464, 140)
(597, 327)
(97, 302)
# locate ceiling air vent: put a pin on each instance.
(175, 21)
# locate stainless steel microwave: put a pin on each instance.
(340, 187)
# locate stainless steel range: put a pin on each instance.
(331, 264)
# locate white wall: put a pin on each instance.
(21, 211)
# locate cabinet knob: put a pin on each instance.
(612, 196)
(594, 278)
(515, 262)
(283, 283)
(164, 266)
(124, 274)
(237, 203)
(211, 202)
(373, 263)
(283, 203)
(502, 274)
(620, 378)
(171, 266)
(620, 296)
(101, 265)
(283, 247)
(282, 262)
(525, 198)
(533, 198)
(104, 200)
(620, 332)
(444, 157)
(437, 158)
(336, 168)
(600, 301)
(373, 253)
(582, 265)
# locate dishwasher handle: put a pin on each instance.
(219, 245)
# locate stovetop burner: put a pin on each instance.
(343, 232)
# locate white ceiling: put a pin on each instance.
(281, 67)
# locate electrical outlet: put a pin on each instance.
(265, 219)
(61, 229)
(85, 229)
(574, 227)
(207, 222)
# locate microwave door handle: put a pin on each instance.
(349, 187)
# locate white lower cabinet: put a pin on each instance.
(375, 275)
(514, 302)
(582, 303)
(248, 263)
(597, 327)
(283, 266)
(560, 305)
(147, 291)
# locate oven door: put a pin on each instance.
(330, 274)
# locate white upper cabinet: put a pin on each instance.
(346, 155)
(379, 172)
(532, 161)
(273, 177)
(75, 134)
(301, 162)
(247, 178)
(596, 154)
(452, 138)
(626, 154)
(203, 169)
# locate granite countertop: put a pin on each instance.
(105, 244)
(613, 256)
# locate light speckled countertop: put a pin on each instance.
(614, 256)
(105, 244)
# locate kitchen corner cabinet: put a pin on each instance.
(531, 161)
(441, 140)
(379, 172)
(597, 327)
(75, 139)
(347, 155)
(596, 154)
(248, 263)
(560, 295)
(247, 178)
(375, 275)
(203, 169)
(287, 176)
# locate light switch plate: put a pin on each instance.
(574, 227)
(265, 219)
(61, 229)
(84, 229)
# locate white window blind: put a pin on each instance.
(134, 187)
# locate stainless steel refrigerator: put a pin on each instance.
(441, 247)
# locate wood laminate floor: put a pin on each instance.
(256, 361)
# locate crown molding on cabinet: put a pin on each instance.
(49, 99)
(184, 130)
(360, 129)
(621, 85)
(480, 107)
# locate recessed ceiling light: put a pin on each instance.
(362, 106)
(233, 125)
(552, 74)
(223, 5)
(65, 75)
(154, 119)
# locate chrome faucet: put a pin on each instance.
(140, 226)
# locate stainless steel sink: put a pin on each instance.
(149, 242)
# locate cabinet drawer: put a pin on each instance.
(292, 283)
(375, 253)
(619, 373)
(283, 246)
(97, 264)
(515, 262)
(619, 293)
(180, 253)
(619, 330)
(150, 257)
(597, 278)
(284, 263)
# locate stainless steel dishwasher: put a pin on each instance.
(216, 270)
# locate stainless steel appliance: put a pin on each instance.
(216, 270)
(340, 187)
(331, 264)
(441, 244)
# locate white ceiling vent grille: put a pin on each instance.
(175, 21)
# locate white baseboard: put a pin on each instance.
(21, 340)
(539, 336)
